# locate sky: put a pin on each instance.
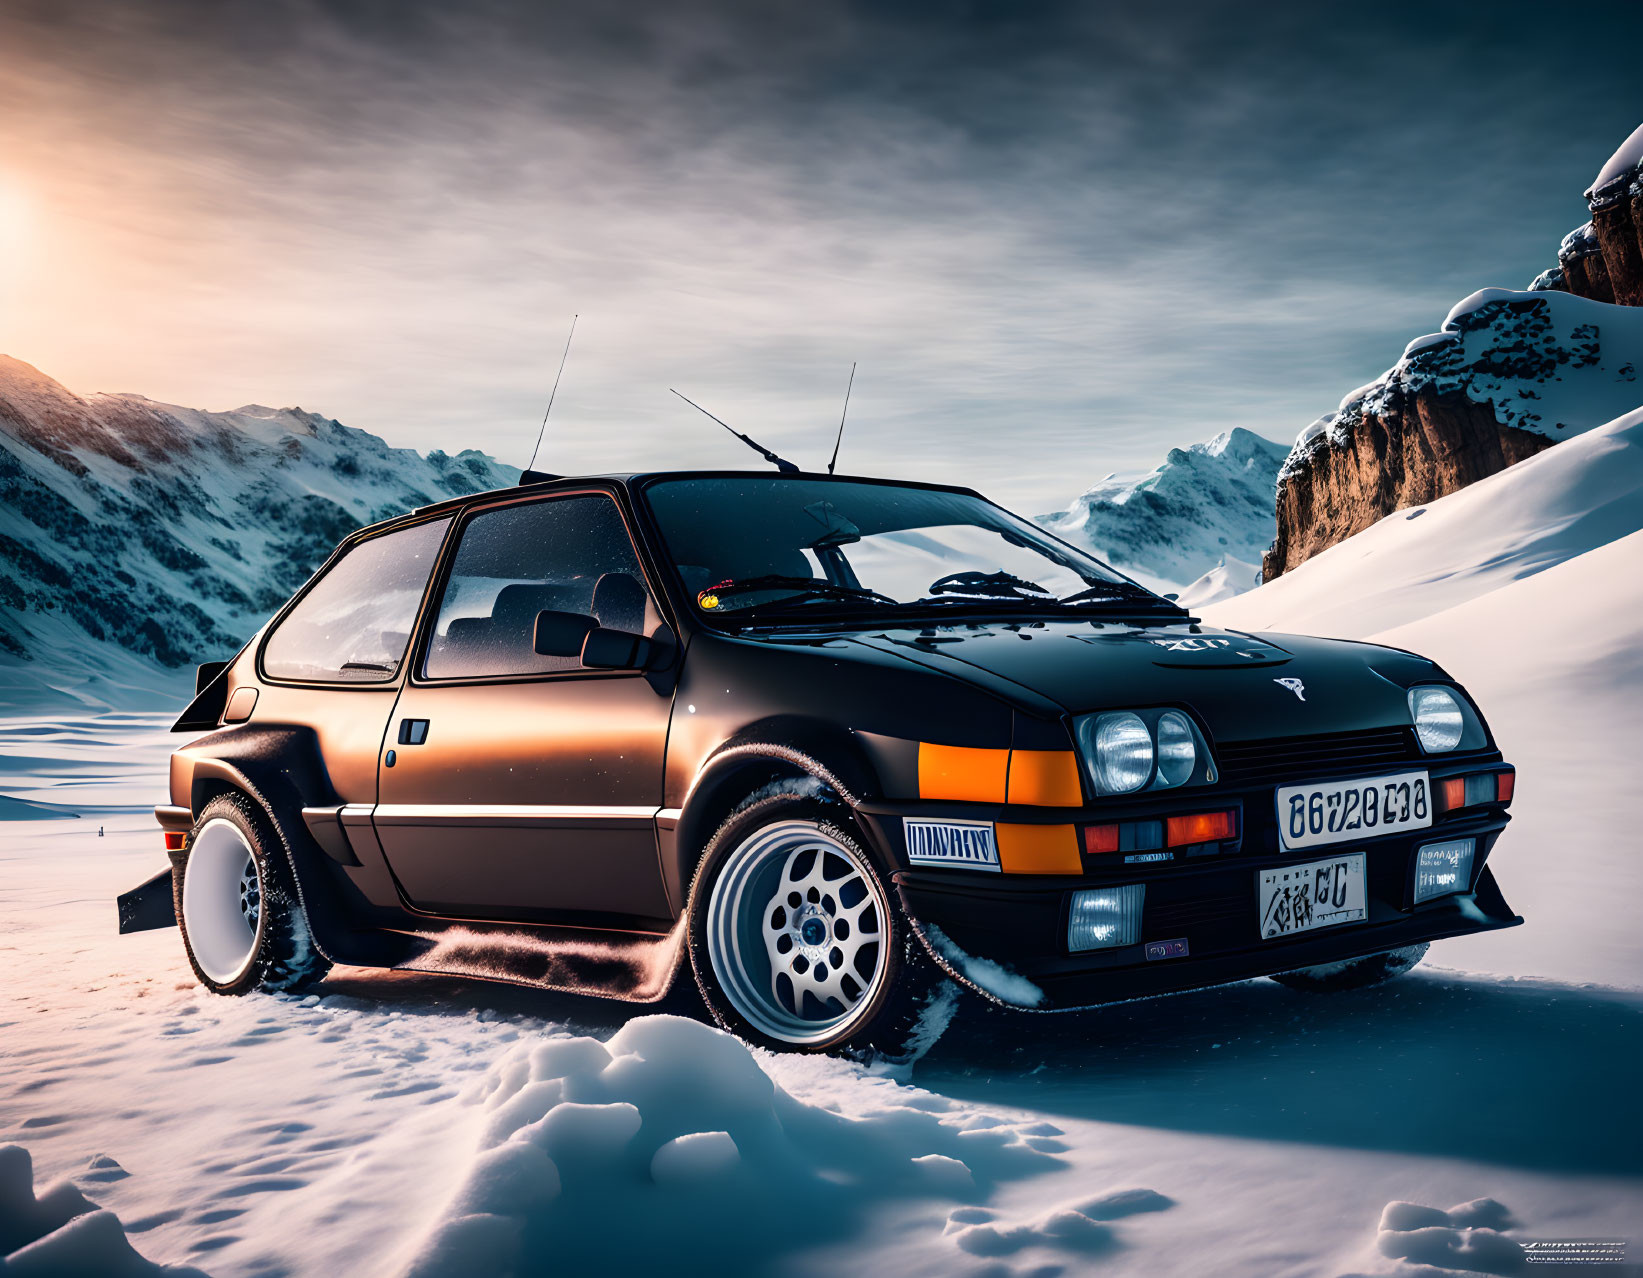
(1056, 239)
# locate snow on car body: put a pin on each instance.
(831, 738)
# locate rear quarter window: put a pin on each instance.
(354, 624)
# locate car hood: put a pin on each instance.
(1243, 686)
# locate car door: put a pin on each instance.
(520, 786)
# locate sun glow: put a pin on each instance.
(14, 219)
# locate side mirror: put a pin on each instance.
(561, 634)
(605, 649)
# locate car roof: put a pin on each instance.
(639, 479)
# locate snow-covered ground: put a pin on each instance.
(391, 1122)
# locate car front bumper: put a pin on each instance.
(1019, 922)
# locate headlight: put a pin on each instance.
(1439, 720)
(1123, 753)
(1127, 751)
(1177, 751)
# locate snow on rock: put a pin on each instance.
(1626, 160)
(1547, 362)
(1204, 504)
(139, 538)
(61, 1233)
(1509, 375)
(669, 1148)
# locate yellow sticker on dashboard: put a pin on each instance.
(708, 601)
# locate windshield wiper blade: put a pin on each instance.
(993, 585)
(803, 588)
(1119, 590)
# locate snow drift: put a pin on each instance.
(61, 1233)
(669, 1149)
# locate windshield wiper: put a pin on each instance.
(804, 588)
(1125, 590)
(992, 585)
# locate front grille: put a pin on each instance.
(1254, 763)
(1173, 918)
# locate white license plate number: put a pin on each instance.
(1301, 898)
(1311, 816)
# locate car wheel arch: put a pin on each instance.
(278, 771)
(742, 768)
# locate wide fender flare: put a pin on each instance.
(280, 768)
(786, 747)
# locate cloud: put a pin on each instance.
(1058, 238)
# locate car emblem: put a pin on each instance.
(1295, 686)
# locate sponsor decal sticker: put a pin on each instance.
(966, 845)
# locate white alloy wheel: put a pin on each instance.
(222, 901)
(797, 932)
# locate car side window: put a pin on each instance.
(354, 624)
(563, 554)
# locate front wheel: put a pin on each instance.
(1353, 974)
(798, 942)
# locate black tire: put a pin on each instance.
(280, 953)
(896, 1018)
(1354, 974)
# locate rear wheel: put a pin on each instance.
(1353, 974)
(798, 942)
(242, 924)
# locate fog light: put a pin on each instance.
(1102, 918)
(1442, 869)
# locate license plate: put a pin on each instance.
(1310, 816)
(1300, 898)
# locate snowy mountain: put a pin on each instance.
(1205, 506)
(137, 538)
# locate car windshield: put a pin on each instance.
(751, 547)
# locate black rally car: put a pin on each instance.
(831, 741)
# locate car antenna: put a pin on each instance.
(839, 438)
(530, 475)
(780, 463)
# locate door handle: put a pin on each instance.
(413, 731)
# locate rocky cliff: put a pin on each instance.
(1603, 259)
(1508, 375)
